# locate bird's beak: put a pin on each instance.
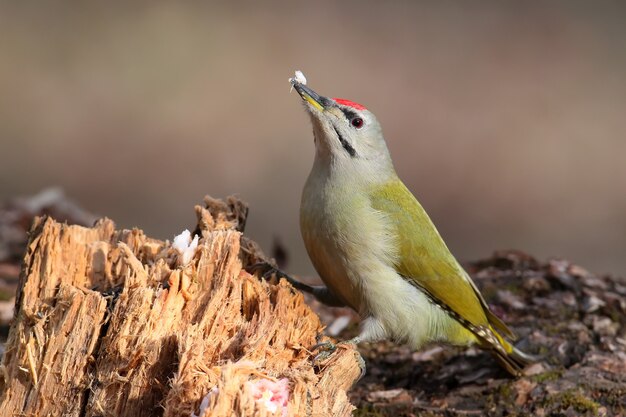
(311, 96)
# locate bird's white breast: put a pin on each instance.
(353, 248)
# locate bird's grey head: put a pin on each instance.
(344, 131)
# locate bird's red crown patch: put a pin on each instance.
(349, 103)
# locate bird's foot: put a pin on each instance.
(327, 348)
(362, 366)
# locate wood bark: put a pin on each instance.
(109, 323)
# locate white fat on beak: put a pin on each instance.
(298, 78)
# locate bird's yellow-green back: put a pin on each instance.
(425, 260)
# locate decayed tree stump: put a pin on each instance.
(108, 323)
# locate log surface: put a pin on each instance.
(109, 323)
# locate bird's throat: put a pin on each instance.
(351, 151)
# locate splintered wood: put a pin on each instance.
(107, 324)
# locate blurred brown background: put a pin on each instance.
(506, 119)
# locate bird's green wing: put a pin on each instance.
(425, 259)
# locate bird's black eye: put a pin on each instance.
(357, 122)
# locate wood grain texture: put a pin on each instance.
(109, 324)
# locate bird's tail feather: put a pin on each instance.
(499, 325)
(510, 357)
(515, 361)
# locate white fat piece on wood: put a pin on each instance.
(299, 78)
(185, 246)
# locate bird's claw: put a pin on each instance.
(327, 348)
(362, 366)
